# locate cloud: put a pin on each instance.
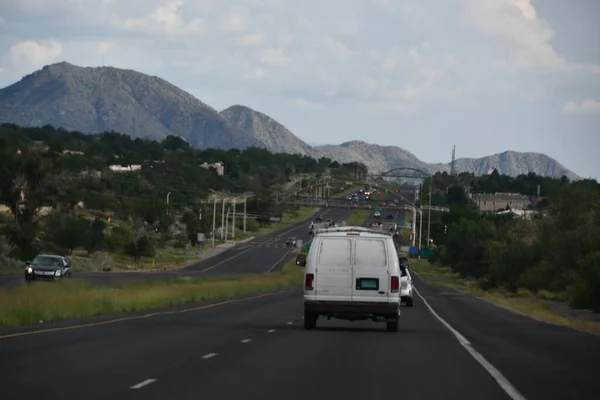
(585, 107)
(458, 67)
(304, 104)
(29, 55)
(165, 19)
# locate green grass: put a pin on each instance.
(543, 305)
(358, 217)
(346, 191)
(29, 304)
(304, 213)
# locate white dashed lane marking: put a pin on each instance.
(142, 384)
(271, 331)
(209, 355)
(246, 340)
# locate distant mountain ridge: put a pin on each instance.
(98, 99)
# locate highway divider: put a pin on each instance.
(45, 301)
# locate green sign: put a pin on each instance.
(377, 209)
(307, 247)
(426, 253)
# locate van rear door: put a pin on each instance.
(333, 277)
(371, 279)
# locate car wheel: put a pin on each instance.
(310, 320)
(409, 301)
(393, 326)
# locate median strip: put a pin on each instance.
(31, 304)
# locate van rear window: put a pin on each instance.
(370, 252)
(335, 252)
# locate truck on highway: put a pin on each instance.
(352, 273)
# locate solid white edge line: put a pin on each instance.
(142, 384)
(504, 383)
(209, 355)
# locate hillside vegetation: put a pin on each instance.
(556, 250)
(61, 195)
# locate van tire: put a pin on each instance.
(409, 302)
(393, 326)
(310, 320)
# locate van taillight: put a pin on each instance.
(395, 284)
(308, 282)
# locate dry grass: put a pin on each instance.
(48, 301)
(543, 305)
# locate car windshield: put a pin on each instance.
(46, 261)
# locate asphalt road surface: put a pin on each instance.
(256, 348)
(256, 256)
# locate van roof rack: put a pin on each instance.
(379, 230)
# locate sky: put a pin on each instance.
(484, 75)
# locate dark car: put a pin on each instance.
(48, 268)
(318, 218)
(291, 241)
(390, 216)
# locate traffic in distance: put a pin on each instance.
(356, 286)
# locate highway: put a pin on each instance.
(256, 348)
(259, 255)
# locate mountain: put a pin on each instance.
(93, 100)
(266, 131)
(512, 163)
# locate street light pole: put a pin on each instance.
(420, 227)
(168, 196)
(214, 222)
(227, 222)
(223, 220)
(245, 200)
(233, 222)
(429, 212)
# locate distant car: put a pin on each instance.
(390, 216)
(291, 241)
(376, 214)
(47, 267)
(318, 218)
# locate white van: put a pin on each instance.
(351, 273)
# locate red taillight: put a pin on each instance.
(395, 284)
(308, 282)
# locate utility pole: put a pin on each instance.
(223, 220)
(214, 222)
(233, 222)
(245, 200)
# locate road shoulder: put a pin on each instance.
(521, 348)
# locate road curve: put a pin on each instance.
(256, 256)
(256, 348)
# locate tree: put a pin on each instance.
(27, 182)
